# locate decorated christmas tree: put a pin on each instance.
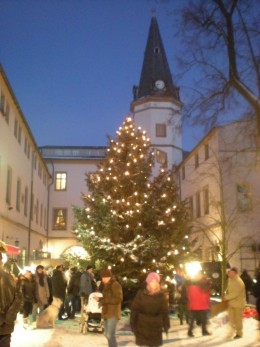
(132, 220)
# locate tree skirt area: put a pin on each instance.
(67, 334)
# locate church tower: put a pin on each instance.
(156, 105)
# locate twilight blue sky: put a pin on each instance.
(72, 63)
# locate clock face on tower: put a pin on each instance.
(159, 84)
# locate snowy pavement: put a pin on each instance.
(66, 334)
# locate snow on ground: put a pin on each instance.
(66, 334)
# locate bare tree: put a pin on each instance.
(221, 40)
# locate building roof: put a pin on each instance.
(155, 67)
(73, 152)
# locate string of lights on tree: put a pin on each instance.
(133, 221)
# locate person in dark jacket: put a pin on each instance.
(59, 285)
(246, 278)
(111, 305)
(149, 313)
(86, 287)
(198, 291)
(27, 283)
(10, 304)
(182, 302)
(72, 292)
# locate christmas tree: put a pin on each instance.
(133, 221)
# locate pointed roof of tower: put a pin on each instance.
(155, 67)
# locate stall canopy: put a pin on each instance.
(12, 250)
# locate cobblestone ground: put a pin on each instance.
(67, 334)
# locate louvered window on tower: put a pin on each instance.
(160, 130)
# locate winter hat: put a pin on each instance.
(106, 273)
(152, 276)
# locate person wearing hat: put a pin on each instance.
(149, 313)
(111, 305)
(236, 298)
(10, 304)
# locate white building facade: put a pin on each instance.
(24, 179)
(220, 180)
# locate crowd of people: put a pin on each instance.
(31, 293)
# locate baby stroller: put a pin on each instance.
(93, 320)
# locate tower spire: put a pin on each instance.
(156, 78)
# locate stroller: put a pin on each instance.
(93, 321)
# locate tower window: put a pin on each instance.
(160, 130)
(156, 50)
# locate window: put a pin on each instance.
(61, 181)
(198, 211)
(28, 151)
(59, 219)
(19, 134)
(26, 201)
(190, 205)
(39, 170)
(244, 202)
(8, 186)
(16, 128)
(37, 211)
(44, 179)
(206, 200)
(206, 151)
(32, 206)
(41, 215)
(7, 113)
(25, 145)
(160, 130)
(2, 104)
(196, 160)
(161, 157)
(183, 173)
(45, 218)
(18, 195)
